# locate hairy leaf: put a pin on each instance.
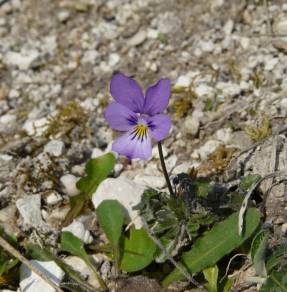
(216, 243)
(258, 252)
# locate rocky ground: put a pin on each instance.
(227, 61)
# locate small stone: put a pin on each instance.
(30, 209)
(90, 57)
(54, 198)
(31, 282)
(127, 192)
(113, 59)
(229, 88)
(207, 46)
(79, 230)
(155, 153)
(152, 34)
(137, 39)
(97, 152)
(280, 26)
(284, 228)
(191, 125)
(36, 127)
(183, 81)
(22, 60)
(228, 27)
(203, 90)
(224, 135)
(80, 266)
(55, 148)
(157, 182)
(118, 169)
(69, 182)
(64, 15)
(8, 119)
(204, 151)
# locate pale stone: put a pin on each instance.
(127, 192)
(31, 282)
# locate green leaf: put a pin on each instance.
(258, 252)
(277, 258)
(139, 251)
(213, 245)
(36, 252)
(211, 275)
(276, 282)
(97, 170)
(247, 181)
(73, 245)
(110, 215)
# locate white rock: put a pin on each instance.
(183, 81)
(228, 27)
(80, 266)
(90, 57)
(31, 282)
(6, 157)
(69, 182)
(79, 230)
(229, 88)
(270, 63)
(30, 209)
(55, 148)
(22, 60)
(203, 89)
(152, 33)
(118, 169)
(244, 42)
(184, 167)
(8, 119)
(280, 26)
(127, 192)
(207, 46)
(54, 198)
(156, 182)
(224, 135)
(191, 125)
(204, 151)
(63, 15)
(155, 153)
(137, 39)
(171, 162)
(113, 59)
(97, 152)
(36, 127)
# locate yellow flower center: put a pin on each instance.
(140, 131)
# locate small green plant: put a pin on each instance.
(260, 132)
(131, 252)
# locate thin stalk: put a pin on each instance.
(164, 169)
(14, 252)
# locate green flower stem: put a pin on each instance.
(164, 169)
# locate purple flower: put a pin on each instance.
(140, 117)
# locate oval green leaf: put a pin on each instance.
(213, 245)
(110, 214)
(139, 251)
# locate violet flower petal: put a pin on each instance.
(120, 117)
(133, 147)
(159, 126)
(126, 91)
(157, 97)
